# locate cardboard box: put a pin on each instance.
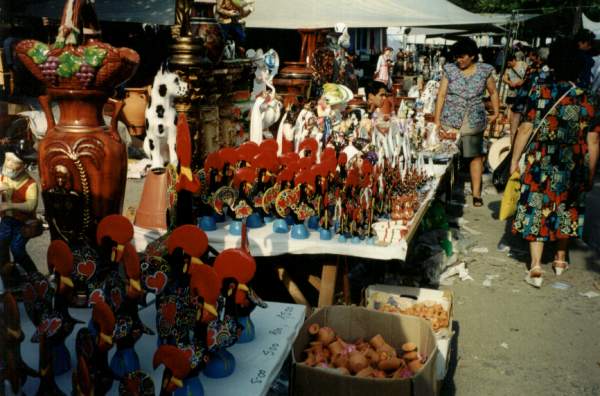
(375, 294)
(352, 323)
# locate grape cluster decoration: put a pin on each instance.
(68, 64)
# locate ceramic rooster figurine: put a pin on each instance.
(213, 177)
(93, 345)
(13, 368)
(175, 313)
(47, 386)
(57, 324)
(236, 268)
(129, 327)
(114, 235)
(178, 377)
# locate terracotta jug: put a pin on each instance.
(134, 110)
(79, 73)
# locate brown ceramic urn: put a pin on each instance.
(82, 161)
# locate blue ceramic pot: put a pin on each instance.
(220, 365)
(191, 386)
(249, 333)
(280, 226)
(124, 361)
(356, 240)
(235, 228)
(342, 239)
(313, 222)
(325, 234)
(255, 221)
(371, 241)
(207, 223)
(290, 220)
(268, 219)
(299, 231)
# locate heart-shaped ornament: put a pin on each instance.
(157, 282)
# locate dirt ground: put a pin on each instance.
(511, 339)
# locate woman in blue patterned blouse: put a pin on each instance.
(460, 106)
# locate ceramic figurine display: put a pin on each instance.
(80, 72)
(13, 369)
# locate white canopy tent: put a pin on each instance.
(292, 14)
(307, 14)
(591, 25)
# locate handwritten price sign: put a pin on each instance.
(259, 377)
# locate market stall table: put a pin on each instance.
(257, 363)
(265, 243)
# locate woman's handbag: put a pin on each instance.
(512, 191)
(510, 198)
(501, 174)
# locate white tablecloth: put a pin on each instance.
(265, 243)
(257, 363)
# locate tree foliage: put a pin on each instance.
(590, 7)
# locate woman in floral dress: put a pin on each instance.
(560, 163)
(459, 106)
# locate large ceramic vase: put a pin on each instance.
(204, 26)
(79, 73)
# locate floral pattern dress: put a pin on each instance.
(465, 95)
(553, 185)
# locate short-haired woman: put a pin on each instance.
(460, 106)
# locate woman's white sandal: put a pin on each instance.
(534, 276)
(559, 266)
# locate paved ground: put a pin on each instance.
(510, 338)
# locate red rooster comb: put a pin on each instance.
(229, 155)
(104, 317)
(309, 144)
(176, 360)
(269, 145)
(342, 159)
(247, 175)
(328, 154)
(205, 283)
(266, 160)
(213, 161)
(191, 239)
(286, 175)
(288, 158)
(186, 179)
(119, 229)
(60, 258)
(235, 263)
(306, 162)
(305, 177)
(247, 151)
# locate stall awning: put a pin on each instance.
(292, 14)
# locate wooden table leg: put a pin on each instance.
(328, 279)
(292, 287)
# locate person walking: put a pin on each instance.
(559, 163)
(460, 106)
(514, 77)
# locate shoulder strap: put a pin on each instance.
(537, 128)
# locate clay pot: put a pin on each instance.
(415, 366)
(373, 356)
(377, 341)
(134, 110)
(357, 362)
(390, 364)
(343, 371)
(366, 372)
(336, 348)
(409, 347)
(378, 374)
(410, 356)
(313, 329)
(388, 350)
(341, 361)
(326, 335)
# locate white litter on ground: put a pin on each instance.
(488, 280)
(480, 250)
(560, 286)
(458, 269)
(590, 294)
(504, 345)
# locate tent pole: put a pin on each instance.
(509, 41)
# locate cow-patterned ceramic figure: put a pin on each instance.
(161, 119)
